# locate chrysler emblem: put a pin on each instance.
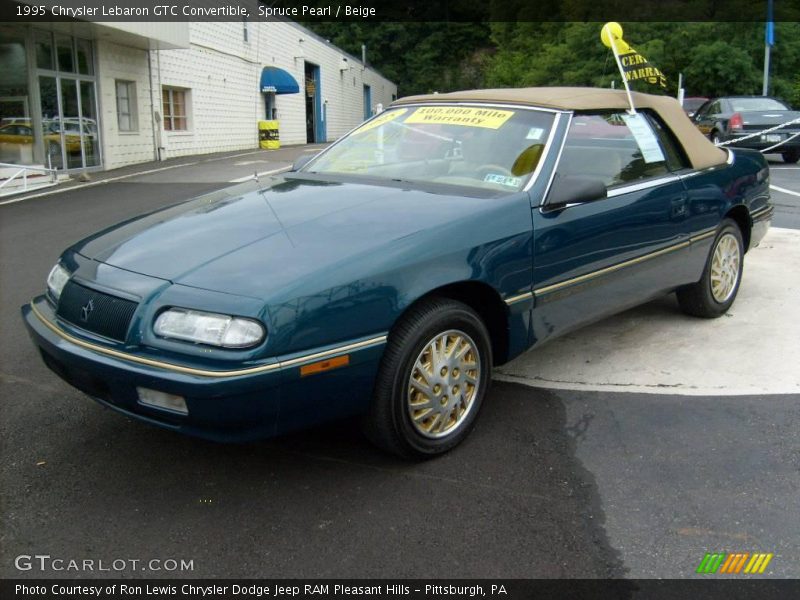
(86, 310)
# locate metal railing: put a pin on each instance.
(22, 170)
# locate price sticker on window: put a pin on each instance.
(381, 120)
(645, 138)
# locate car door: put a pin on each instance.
(598, 257)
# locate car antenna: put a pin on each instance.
(263, 192)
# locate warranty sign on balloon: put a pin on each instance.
(633, 65)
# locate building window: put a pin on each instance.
(65, 57)
(126, 106)
(175, 109)
(43, 42)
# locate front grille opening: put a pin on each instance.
(95, 311)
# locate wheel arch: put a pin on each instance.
(484, 300)
(741, 216)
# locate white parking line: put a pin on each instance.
(784, 190)
(259, 174)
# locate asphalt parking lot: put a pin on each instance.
(565, 480)
(785, 180)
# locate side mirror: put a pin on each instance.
(302, 161)
(569, 189)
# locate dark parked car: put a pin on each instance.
(692, 103)
(388, 276)
(733, 117)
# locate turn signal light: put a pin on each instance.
(325, 365)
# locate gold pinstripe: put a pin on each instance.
(205, 372)
(519, 298)
(586, 277)
(704, 235)
(600, 272)
(760, 211)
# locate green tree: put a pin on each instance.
(720, 68)
(526, 50)
(419, 57)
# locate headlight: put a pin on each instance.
(209, 328)
(56, 280)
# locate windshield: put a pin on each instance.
(470, 146)
(745, 104)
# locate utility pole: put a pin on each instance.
(769, 41)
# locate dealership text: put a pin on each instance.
(186, 10)
(45, 562)
(251, 590)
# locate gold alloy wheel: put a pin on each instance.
(725, 268)
(444, 383)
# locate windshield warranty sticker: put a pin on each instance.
(489, 118)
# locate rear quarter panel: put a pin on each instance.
(712, 193)
(741, 183)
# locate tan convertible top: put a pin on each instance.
(700, 151)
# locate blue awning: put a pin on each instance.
(278, 81)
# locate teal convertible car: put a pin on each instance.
(388, 275)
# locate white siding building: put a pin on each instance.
(103, 95)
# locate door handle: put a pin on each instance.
(677, 208)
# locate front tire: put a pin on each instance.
(714, 294)
(432, 380)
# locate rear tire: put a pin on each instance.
(715, 138)
(431, 381)
(791, 156)
(714, 294)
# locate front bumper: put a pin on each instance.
(230, 407)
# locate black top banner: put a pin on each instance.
(400, 11)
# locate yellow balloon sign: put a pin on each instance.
(613, 31)
(632, 65)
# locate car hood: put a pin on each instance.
(255, 239)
